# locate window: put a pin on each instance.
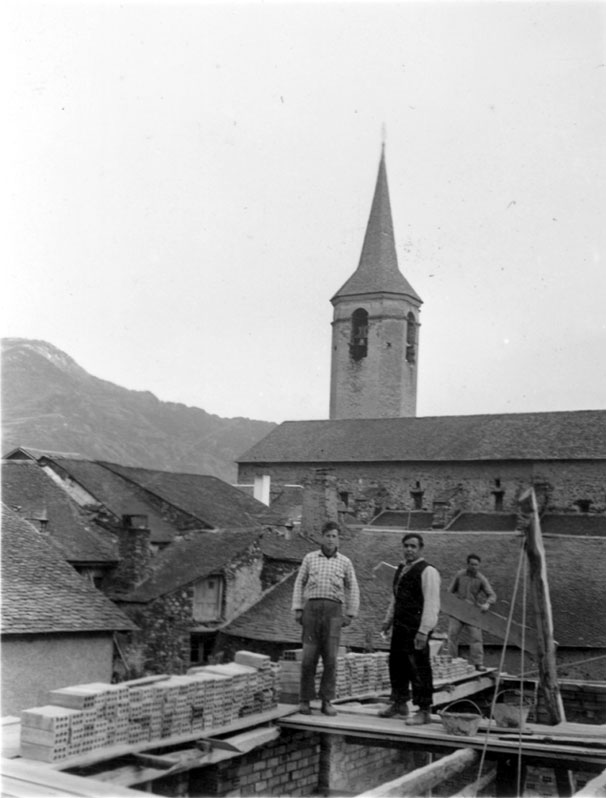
(358, 346)
(208, 599)
(498, 494)
(583, 505)
(411, 338)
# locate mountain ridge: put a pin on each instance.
(50, 402)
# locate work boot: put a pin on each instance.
(304, 708)
(328, 709)
(481, 668)
(395, 709)
(419, 718)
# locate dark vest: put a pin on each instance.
(408, 594)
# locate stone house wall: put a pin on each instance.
(162, 643)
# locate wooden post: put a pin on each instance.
(546, 647)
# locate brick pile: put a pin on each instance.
(360, 674)
(86, 717)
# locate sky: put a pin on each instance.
(187, 185)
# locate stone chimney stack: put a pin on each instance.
(135, 551)
(319, 501)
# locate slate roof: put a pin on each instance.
(483, 522)
(42, 594)
(119, 495)
(575, 574)
(213, 501)
(573, 524)
(27, 489)
(276, 546)
(27, 452)
(378, 270)
(404, 519)
(566, 435)
(194, 557)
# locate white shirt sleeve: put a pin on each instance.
(430, 584)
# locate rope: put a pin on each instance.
(567, 664)
(501, 664)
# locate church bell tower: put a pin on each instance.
(375, 328)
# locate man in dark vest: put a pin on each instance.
(412, 616)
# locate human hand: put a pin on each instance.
(347, 619)
(299, 616)
(420, 640)
(484, 607)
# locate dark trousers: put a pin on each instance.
(322, 620)
(410, 668)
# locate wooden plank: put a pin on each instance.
(487, 621)
(423, 779)
(434, 734)
(34, 774)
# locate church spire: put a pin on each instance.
(378, 270)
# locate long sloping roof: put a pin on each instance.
(208, 498)
(118, 495)
(575, 574)
(565, 435)
(42, 594)
(194, 557)
(378, 270)
(28, 490)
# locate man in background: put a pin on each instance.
(473, 587)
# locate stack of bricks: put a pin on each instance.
(357, 674)
(86, 717)
(360, 674)
(444, 666)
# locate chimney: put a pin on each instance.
(320, 502)
(261, 488)
(135, 551)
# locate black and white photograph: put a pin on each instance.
(303, 398)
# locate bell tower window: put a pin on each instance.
(411, 339)
(358, 346)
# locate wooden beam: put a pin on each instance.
(539, 587)
(487, 621)
(472, 789)
(423, 779)
(546, 646)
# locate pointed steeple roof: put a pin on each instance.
(378, 270)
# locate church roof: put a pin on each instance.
(378, 270)
(563, 435)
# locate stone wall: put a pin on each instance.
(378, 486)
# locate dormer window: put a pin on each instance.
(358, 346)
(411, 339)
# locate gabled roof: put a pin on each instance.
(570, 564)
(32, 494)
(565, 435)
(277, 546)
(118, 495)
(194, 557)
(211, 500)
(29, 453)
(42, 594)
(378, 271)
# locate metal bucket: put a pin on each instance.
(461, 723)
(512, 714)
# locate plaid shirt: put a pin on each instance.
(328, 578)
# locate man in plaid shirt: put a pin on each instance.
(325, 598)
